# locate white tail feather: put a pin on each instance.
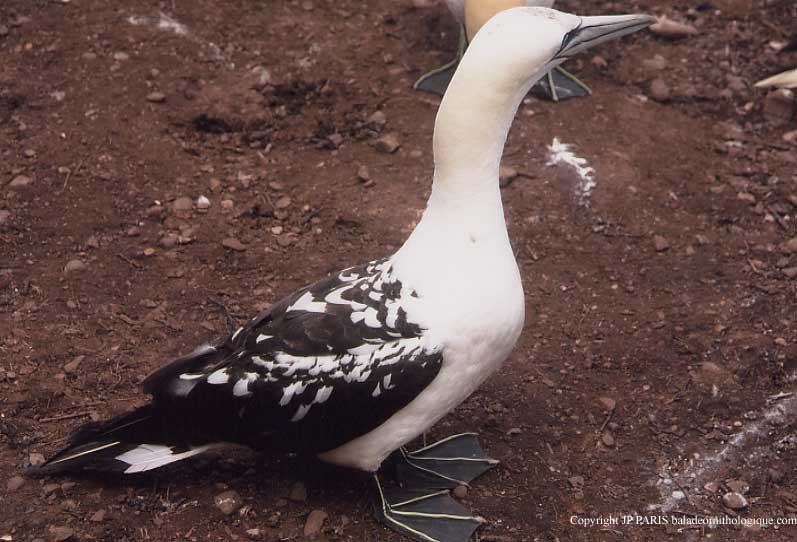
(146, 457)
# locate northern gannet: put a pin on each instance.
(558, 84)
(354, 367)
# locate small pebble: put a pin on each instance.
(74, 266)
(98, 516)
(20, 181)
(672, 29)
(283, 203)
(461, 491)
(607, 439)
(734, 500)
(608, 403)
(233, 244)
(182, 205)
(254, 534)
(14, 483)
(660, 243)
(4, 216)
(388, 143)
(660, 90)
(228, 502)
(378, 119)
(72, 366)
(202, 203)
(298, 492)
(121, 56)
(169, 240)
(363, 174)
(227, 204)
(156, 97)
(315, 522)
(738, 486)
(514, 431)
(656, 64)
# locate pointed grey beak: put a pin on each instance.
(594, 30)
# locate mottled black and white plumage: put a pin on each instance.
(327, 364)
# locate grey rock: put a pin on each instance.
(315, 522)
(228, 502)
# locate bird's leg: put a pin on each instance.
(445, 464)
(559, 84)
(425, 515)
(436, 81)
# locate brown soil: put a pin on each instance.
(614, 317)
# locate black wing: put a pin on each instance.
(325, 365)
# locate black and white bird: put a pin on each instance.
(354, 367)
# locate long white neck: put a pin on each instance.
(470, 132)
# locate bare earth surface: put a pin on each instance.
(660, 346)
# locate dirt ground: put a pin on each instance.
(654, 374)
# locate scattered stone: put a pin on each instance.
(734, 500)
(576, 482)
(149, 251)
(668, 28)
(789, 272)
(169, 240)
(608, 403)
(283, 203)
(388, 143)
(254, 534)
(20, 181)
(72, 366)
(607, 439)
(227, 204)
(660, 90)
(154, 210)
(276, 186)
(377, 119)
(4, 216)
(202, 203)
(156, 97)
(98, 516)
(60, 533)
(315, 522)
(779, 106)
(656, 64)
(121, 56)
(3, 30)
(182, 205)
(660, 243)
(514, 431)
(74, 266)
(461, 491)
(233, 244)
(790, 246)
(599, 62)
(298, 492)
(228, 502)
(336, 139)
(215, 185)
(363, 174)
(14, 483)
(738, 486)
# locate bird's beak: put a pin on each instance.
(594, 30)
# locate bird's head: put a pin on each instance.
(527, 42)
